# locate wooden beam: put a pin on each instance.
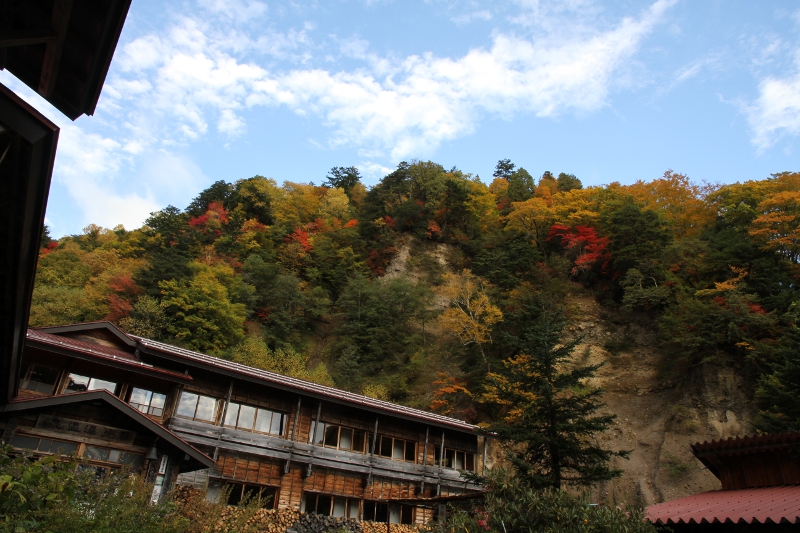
(284, 449)
(52, 56)
(27, 37)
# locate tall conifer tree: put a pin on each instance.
(549, 413)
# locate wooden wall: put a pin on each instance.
(758, 469)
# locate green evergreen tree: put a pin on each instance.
(778, 393)
(549, 413)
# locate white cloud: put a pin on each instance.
(374, 171)
(776, 112)
(200, 74)
(397, 108)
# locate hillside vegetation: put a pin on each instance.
(414, 289)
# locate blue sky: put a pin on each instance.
(202, 90)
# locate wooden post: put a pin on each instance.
(296, 419)
(310, 467)
(483, 463)
(441, 464)
(316, 424)
(222, 420)
(294, 435)
(372, 452)
(424, 459)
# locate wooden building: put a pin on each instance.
(760, 477)
(297, 444)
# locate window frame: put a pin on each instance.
(392, 446)
(27, 379)
(256, 418)
(349, 503)
(88, 384)
(243, 486)
(215, 416)
(406, 512)
(448, 463)
(338, 446)
(149, 406)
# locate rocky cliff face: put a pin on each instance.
(658, 413)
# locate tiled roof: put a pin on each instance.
(760, 505)
(98, 350)
(286, 382)
(733, 445)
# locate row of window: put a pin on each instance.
(355, 440)
(43, 379)
(323, 504)
(250, 418)
(91, 452)
(339, 507)
(239, 416)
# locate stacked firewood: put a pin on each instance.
(316, 523)
(380, 527)
(191, 504)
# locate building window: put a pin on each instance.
(246, 493)
(456, 459)
(327, 505)
(110, 455)
(148, 402)
(332, 436)
(397, 449)
(197, 407)
(35, 444)
(383, 512)
(251, 418)
(40, 379)
(78, 383)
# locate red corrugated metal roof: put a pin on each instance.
(730, 445)
(282, 381)
(100, 351)
(761, 505)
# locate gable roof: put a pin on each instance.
(122, 407)
(99, 353)
(767, 505)
(104, 325)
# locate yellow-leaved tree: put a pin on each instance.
(471, 313)
(534, 218)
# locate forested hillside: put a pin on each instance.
(415, 288)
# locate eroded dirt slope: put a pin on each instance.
(659, 416)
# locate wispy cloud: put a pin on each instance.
(199, 74)
(397, 108)
(775, 114)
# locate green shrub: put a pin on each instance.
(512, 507)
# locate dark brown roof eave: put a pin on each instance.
(125, 364)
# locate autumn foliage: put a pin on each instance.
(316, 268)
